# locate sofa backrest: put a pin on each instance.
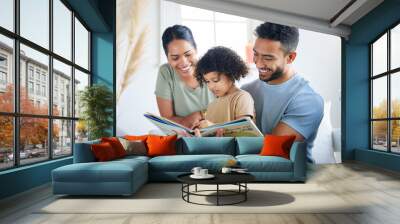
(249, 145)
(207, 145)
(83, 152)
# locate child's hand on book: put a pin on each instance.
(204, 123)
(191, 121)
(197, 132)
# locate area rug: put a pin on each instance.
(167, 198)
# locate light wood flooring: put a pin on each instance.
(378, 188)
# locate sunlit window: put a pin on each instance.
(218, 29)
(45, 117)
(212, 29)
(385, 94)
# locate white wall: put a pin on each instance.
(138, 98)
(319, 61)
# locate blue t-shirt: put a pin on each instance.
(293, 102)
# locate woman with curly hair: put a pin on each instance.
(219, 68)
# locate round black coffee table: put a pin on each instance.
(238, 179)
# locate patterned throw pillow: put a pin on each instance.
(134, 147)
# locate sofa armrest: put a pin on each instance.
(299, 159)
(83, 152)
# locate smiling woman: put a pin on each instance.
(179, 95)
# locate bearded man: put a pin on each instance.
(285, 103)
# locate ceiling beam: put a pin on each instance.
(271, 15)
(346, 12)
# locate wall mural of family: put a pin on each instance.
(199, 91)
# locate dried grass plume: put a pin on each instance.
(137, 36)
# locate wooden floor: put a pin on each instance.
(377, 188)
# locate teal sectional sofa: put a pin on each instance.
(125, 176)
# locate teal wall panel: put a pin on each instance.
(377, 158)
(24, 178)
(103, 64)
(90, 12)
(357, 99)
(102, 58)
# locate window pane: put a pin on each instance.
(395, 47)
(62, 89)
(379, 135)
(81, 81)
(62, 29)
(62, 136)
(7, 14)
(35, 21)
(395, 95)
(395, 136)
(34, 72)
(81, 45)
(232, 35)
(6, 74)
(6, 142)
(33, 139)
(202, 32)
(196, 13)
(81, 131)
(379, 55)
(379, 98)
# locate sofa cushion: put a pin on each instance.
(185, 163)
(207, 145)
(249, 145)
(131, 158)
(111, 171)
(257, 163)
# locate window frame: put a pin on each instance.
(214, 21)
(16, 115)
(388, 74)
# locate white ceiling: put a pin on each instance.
(321, 9)
(326, 16)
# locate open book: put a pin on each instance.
(237, 128)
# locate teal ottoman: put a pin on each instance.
(118, 177)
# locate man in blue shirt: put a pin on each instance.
(285, 103)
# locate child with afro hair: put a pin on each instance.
(219, 68)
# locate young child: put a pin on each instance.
(219, 68)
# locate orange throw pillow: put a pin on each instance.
(136, 137)
(103, 152)
(116, 145)
(161, 145)
(275, 145)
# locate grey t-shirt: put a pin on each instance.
(293, 102)
(185, 99)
